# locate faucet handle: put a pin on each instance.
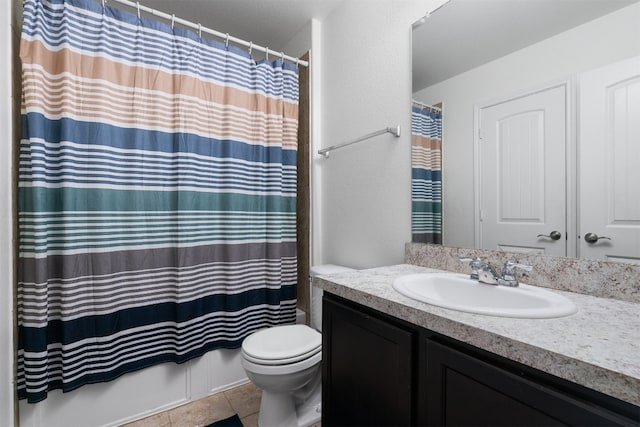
(509, 270)
(510, 266)
(476, 264)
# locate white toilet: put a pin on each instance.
(284, 361)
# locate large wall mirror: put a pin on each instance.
(538, 107)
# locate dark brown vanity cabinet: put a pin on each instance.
(368, 375)
(462, 390)
(381, 371)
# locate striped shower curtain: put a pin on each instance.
(157, 195)
(426, 175)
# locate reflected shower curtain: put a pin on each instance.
(157, 195)
(426, 175)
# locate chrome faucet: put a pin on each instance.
(484, 272)
(488, 274)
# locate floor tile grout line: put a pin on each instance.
(225, 395)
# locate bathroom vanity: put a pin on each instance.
(391, 360)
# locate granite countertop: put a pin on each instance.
(598, 347)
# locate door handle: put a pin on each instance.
(593, 237)
(554, 235)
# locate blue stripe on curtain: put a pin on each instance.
(426, 175)
(157, 195)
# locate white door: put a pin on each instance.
(521, 170)
(609, 162)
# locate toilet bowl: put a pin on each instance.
(284, 362)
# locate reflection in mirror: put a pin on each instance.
(484, 60)
(426, 177)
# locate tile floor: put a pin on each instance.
(243, 400)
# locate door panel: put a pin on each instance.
(521, 249)
(609, 162)
(520, 168)
(522, 163)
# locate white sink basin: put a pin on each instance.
(459, 292)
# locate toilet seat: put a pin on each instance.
(284, 361)
(281, 345)
(283, 369)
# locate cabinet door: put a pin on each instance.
(367, 377)
(463, 390)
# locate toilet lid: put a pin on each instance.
(282, 344)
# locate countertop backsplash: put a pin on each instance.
(602, 279)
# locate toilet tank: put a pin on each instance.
(316, 293)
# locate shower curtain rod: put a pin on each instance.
(225, 36)
(430, 107)
(394, 130)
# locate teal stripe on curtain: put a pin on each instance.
(157, 195)
(426, 175)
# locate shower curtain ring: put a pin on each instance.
(267, 53)
(173, 20)
(199, 30)
(226, 42)
(138, 7)
(250, 47)
(282, 56)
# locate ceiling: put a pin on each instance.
(464, 34)
(269, 23)
(459, 36)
